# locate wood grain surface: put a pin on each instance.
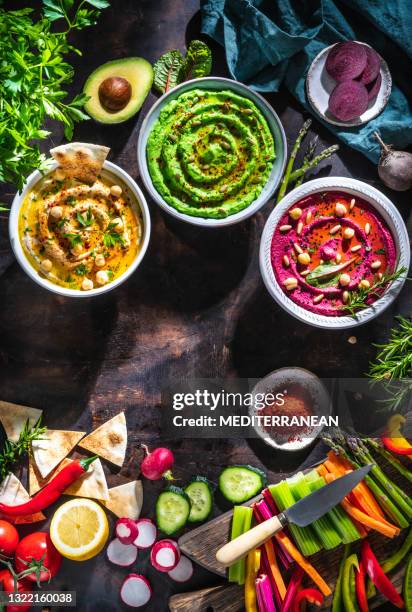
(196, 307)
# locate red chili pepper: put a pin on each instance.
(361, 589)
(401, 449)
(313, 596)
(378, 577)
(51, 491)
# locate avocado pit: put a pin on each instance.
(115, 93)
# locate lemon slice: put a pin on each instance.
(79, 529)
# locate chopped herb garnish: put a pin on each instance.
(71, 200)
(81, 270)
(74, 239)
(87, 220)
(380, 252)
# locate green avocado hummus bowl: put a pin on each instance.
(211, 152)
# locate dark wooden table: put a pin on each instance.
(195, 308)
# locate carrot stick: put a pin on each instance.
(385, 529)
(321, 470)
(304, 564)
(274, 568)
(363, 532)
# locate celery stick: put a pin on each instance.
(247, 522)
(304, 537)
(239, 514)
(324, 529)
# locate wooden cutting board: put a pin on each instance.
(224, 598)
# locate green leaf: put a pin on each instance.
(168, 71)
(99, 4)
(53, 10)
(324, 271)
(198, 60)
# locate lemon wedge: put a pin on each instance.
(79, 529)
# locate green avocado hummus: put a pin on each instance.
(210, 153)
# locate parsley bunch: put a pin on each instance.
(33, 74)
(12, 452)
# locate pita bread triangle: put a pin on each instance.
(14, 417)
(53, 448)
(92, 484)
(36, 482)
(109, 440)
(80, 160)
(126, 500)
(13, 493)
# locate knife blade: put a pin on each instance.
(302, 513)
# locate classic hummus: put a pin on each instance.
(77, 235)
(328, 246)
(210, 153)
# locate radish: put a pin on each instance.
(183, 570)
(126, 530)
(165, 555)
(136, 591)
(121, 554)
(157, 464)
(146, 533)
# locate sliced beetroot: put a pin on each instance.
(121, 554)
(348, 100)
(346, 61)
(183, 570)
(136, 591)
(146, 533)
(374, 87)
(373, 65)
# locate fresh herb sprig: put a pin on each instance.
(112, 238)
(86, 220)
(12, 452)
(358, 300)
(33, 77)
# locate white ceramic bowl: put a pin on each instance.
(112, 172)
(279, 379)
(390, 215)
(275, 126)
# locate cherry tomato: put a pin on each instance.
(9, 538)
(7, 585)
(38, 547)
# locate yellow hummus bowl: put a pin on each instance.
(108, 223)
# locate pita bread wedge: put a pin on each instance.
(53, 448)
(13, 493)
(80, 160)
(13, 417)
(126, 500)
(109, 440)
(36, 482)
(92, 484)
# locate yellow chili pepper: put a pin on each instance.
(252, 568)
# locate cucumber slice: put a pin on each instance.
(201, 499)
(172, 510)
(241, 482)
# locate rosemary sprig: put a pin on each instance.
(12, 452)
(358, 300)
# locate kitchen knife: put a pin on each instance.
(303, 513)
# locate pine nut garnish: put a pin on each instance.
(345, 297)
(352, 203)
(335, 229)
(290, 283)
(340, 209)
(285, 228)
(344, 279)
(348, 233)
(380, 275)
(356, 248)
(286, 261)
(299, 228)
(338, 258)
(304, 258)
(295, 213)
(309, 216)
(318, 298)
(297, 248)
(376, 264)
(367, 229)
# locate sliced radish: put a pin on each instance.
(121, 554)
(183, 570)
(136, 591)
(165, 555)
(126, 530)
(146, 533)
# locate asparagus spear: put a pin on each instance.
(390, 459)
(285, 180)
(300, 172)
(309, 155)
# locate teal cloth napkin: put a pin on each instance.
(268, 42)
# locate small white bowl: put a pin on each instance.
(279, 379)
(112, 172)
(275, 126)
(319, 86)
(390, 215)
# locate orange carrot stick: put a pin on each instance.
(274, 568)
(385, 529)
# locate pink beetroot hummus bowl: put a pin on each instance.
(334, 253)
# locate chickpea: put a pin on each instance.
(100, 261)
(102, 277)
(116, 191)
(364, 284)
(340, 209)
(87, 284)
(295, 213)
(118, 224)
(344, 280)
(77, 249)
(56, 212)
(348, 233)
(304, 259)
(46, 265)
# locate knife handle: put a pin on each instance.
(239, 547)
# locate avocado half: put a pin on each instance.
(118, 89)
